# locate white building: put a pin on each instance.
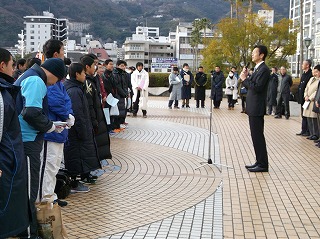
(113, 51)
(146, 44)
(267, 16)
(184, 51)
(39, 29)
(311, 12)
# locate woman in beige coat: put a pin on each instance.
(309, 96)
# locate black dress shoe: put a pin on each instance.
(258, 169)
(305, 134)
(251, 166)
(300, 134)
(313, 137)
(278, 117)
(316, 141)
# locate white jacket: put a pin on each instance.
(140, 79)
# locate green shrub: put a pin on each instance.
(159, 79)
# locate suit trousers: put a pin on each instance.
(313, 126)
(304, 124)
(285, 99)
(259, 143)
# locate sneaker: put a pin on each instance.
(123, 126)
(144, 116)
(117, 130)
(125, 123)
(104, 163)
(177, 107)
(61, 203)
(97, 172)
(134, 115)
(80, 188)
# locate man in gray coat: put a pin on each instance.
(286, 83)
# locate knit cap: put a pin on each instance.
(56, 66)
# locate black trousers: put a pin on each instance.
(135, 107)
(176, 102)
(259, 143)
(202, 103)
(231, 101)
(216, 102)
(243, 102)
(285, 99)
(304, 123)
(32, 152)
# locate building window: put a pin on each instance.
(31, 37)
(31, 26)
(32, 49)
(32, 43)
(145, 61)
(32, 31)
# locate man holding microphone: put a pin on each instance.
(257, 85)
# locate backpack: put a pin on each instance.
(63, 184)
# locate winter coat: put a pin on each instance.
(176, 82)
(121, 85)
(186, 86)
(32, 104)
(14, 217)
(231, 87)
(217, 79)
(59, 109)
(80, 150)
(286, 83)
(273, 90)
(200, 82)
(140, 79)
(98, 119)
(317, 99)
(311, 91)
(305, 77)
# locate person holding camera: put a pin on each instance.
(231, 90)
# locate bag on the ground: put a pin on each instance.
(50, 223)
(63, 184)
(170, 88)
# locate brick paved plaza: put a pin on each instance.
(158, 194)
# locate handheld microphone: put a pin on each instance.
(247, 65)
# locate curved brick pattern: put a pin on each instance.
(154, 182)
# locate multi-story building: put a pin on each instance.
(113, 51)
(184, 51)
(145, 45)
(311, 12)
(39, 29)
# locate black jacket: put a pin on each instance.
(257, 85)
(80, 150)
(286, 83)
(98, 119)
(305, 77)
(199, 86)
(273, 90)
(217, 79)
(121, 84)
(14, 216)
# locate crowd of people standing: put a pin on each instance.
(57, 114)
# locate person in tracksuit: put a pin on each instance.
(32, 107)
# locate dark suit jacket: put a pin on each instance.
(257, 85)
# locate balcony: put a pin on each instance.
(133, 48)
(127, 57)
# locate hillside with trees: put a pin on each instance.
(114, 20)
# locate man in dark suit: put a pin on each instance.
(257, 85)
(305, 77)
